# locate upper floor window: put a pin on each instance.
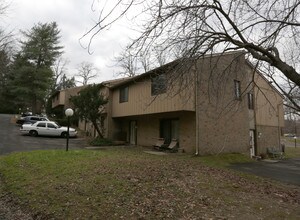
(237, 89)
(123, 94)
(158, 85)
(250, 101)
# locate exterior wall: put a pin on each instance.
(223, 121)
(140, 101)
(211, 119)
(63, 96)
(267, 136)
(269, 115)
(148, 128)
(71, 92)
(269, 104)
(59, 99)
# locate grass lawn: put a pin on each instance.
(292, 152)
(128, 183)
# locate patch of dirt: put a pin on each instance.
(9, 210)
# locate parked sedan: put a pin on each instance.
(47, 128)
(31, 119)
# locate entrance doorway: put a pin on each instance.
(133, 132)
(169, 129)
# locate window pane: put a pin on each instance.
(158, 85)
(237, 89)
(123, 94)
(41, 125)
(250, 101)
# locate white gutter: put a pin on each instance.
(196, 111)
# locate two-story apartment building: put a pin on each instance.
(61, 99)
(216, 104)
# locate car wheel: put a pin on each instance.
(64, 134)
(33, 133)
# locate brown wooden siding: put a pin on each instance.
(141, 102)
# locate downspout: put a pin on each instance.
(279, 132)
(255, 124)
(196, 113)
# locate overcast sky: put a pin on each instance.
(73, 17)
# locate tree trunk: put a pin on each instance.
(97, 129)
(34, 105)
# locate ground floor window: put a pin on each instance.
(169, 129)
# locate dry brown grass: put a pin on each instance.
(127, 183)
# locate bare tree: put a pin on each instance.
(59, 69)
(145, 61)
(160, 55)
(263, 28)
(128, 62)
(87, 71)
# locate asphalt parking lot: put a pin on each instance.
(11, 140)
(286, 171)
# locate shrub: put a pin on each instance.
(101, 142)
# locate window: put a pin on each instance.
(51, 125)
(41, 125)
(158, 85)
(123, 94)
(237, 89)
(250, 101)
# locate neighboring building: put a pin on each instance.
(218, 104)
(61, 99)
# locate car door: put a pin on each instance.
(52, 130)
(41, 128)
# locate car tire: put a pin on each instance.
(64, 134)
(33, 133)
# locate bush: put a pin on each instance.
(101, 142)
(61, 121)
(64, 121)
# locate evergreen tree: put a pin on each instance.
(6, 95)
(32, 73)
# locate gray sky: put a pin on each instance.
(73, 17)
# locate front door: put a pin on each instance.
(252, 143)
(133, 133)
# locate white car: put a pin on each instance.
(47, 128)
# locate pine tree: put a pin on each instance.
(32, 73)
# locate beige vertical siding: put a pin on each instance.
(141, 102)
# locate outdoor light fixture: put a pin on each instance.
(69, 112)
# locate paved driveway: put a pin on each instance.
(11, 140)
(287, 171)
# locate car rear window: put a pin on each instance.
(42, 124)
